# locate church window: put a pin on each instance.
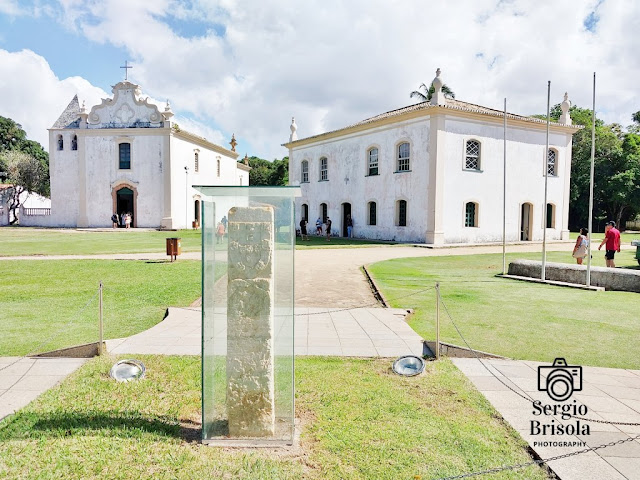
(74, 143)
(551, 215)
(403, 158)
(323, 212)
(60, 143)
(324, 169)
(218, 166)
(471, 214)
(305, 211)
(124, 155)
(552, 163)
(401, 213)
(305, 172)
(472, 156)
(196, 162)
(373, 214)
(373, 162)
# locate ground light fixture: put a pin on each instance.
(408, 366)
(127, 370)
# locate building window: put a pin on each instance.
(323, 212)
(196, 162)
(60, 143)
(305, 211)
(373, 162)
(372, 213)
(74, 143)
(471, 214)
(551, 215)
(552, 163)
(218, 166)
(324, 169)
(305, 172)
(240, 180)
(472, 157)
(124, 155)
(401, 213)
(403, 157)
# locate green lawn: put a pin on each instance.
(42, 297)
(517, 319)
(366, 423)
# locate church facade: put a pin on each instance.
(433, 173)
(127, 156)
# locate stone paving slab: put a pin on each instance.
(360, 332)
(604, 397)
(22, 380)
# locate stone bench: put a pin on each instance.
(621, 279)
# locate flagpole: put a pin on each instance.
(504, 192)
(593, 155)
(546, 176)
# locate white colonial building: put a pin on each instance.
(126, 155)
(433, 173)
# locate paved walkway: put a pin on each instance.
(24, 379)
(609, 394)
(362, 332)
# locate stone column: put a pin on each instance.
(250, 327)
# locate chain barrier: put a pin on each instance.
(38, 347)
(528, 398)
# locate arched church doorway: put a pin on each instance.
(196, 209)
(346, 214)
(526, 222)
(125, 204)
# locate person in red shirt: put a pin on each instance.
(612, 239)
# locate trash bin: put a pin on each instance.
(174, 248)
(636, 243)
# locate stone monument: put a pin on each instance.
(250, 323)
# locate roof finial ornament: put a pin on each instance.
(438, 97)
(233, 142)
(565, 106)
(167, 114)
(83, 109)
(246, 159)
(294, 136)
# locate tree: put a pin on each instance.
(428, 92)
(25, 174)
(14, 138)
(264, 172)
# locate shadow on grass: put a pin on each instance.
(116, 424)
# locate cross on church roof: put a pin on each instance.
(126, 70)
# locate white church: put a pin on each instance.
(433, 173)
(127, 156)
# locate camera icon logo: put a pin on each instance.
(560, 380)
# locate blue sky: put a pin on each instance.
(247, 67)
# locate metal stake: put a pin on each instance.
(100, 345)
(437, 321)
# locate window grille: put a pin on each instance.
(305, 172)
(403, 157)
(324, 169)
(218, 167)
(74, 143)
(124, 150)
(472, 158)
(470, 215)
(323, 209)
(373, 162)
(196, 162)
(402, 213)
(551, 162)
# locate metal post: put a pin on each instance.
(437, 321)
(100, 345)
(593, 155)
(186, 199)
(504, 193)
(546, 176)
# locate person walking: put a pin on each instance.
(220, 232)
(349, 226)
(612, 241)
(328, 229)
(127, 220)
(303, 229)
(114, 220)
(319, 226)
(581, 247)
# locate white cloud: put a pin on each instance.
(331, 63)
(10, 7)
(34, 97)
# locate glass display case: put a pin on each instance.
(248, 242)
